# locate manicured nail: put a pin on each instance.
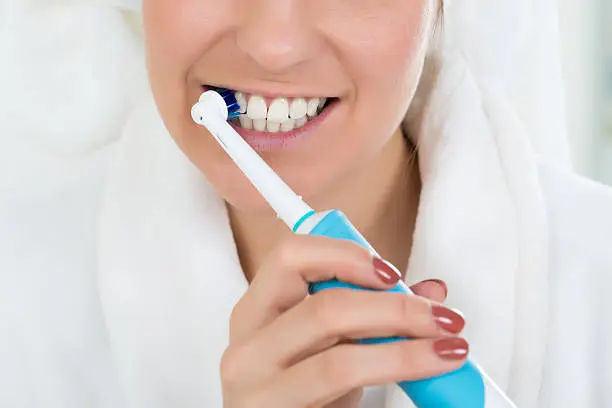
(385, 271)
(454, 348)
(441, 283)
(447, 319)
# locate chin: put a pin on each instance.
(233, 187)
(314, 160)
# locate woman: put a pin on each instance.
(198, 276)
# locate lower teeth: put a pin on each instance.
(263, 125)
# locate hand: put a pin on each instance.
(291, 350)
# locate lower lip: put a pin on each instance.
(265, 141)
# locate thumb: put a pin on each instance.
(433, 289)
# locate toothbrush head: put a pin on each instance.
(213, 110)
(233, 108)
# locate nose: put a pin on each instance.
(275, 34)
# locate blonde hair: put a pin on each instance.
(429, 77)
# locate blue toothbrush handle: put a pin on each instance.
(463, 388)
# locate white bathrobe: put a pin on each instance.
(118, 269)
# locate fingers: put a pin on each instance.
(283, 280)
(346, 367)
(332, 316)
(433, 289)
(350, 400)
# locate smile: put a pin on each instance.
(277, 114)
(271, 122)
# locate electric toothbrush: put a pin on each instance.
(467, 387)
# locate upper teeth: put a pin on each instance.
(299, 108)
(280, 109)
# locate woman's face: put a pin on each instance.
(361, 58)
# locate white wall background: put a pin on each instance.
(583, 26)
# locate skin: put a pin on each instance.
(370, 54)
(302, 48)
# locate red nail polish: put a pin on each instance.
(447, 319)
(454, 348)
(385, 271)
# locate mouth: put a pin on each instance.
(278, 114)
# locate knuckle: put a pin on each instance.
(235, 313)
(409, 359)
(235, 318)
(408, 307)
(397, 360)
(286, 252)
(361, 253)
(257, 399)
(402, 307)
(335, 368)
(326, 307)
(231, 367)
(403, 357)
(352, 253)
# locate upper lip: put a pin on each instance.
(268, 93)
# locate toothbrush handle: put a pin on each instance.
(463, 388)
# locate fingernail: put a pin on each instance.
(441, 283)
(454, 348)
(385, 271)
(447, 319)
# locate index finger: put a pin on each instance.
(283, 280)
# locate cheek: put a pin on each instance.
(393, 42)
(383, 55)
(378, 52)
(177, 33)
(167, 53)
